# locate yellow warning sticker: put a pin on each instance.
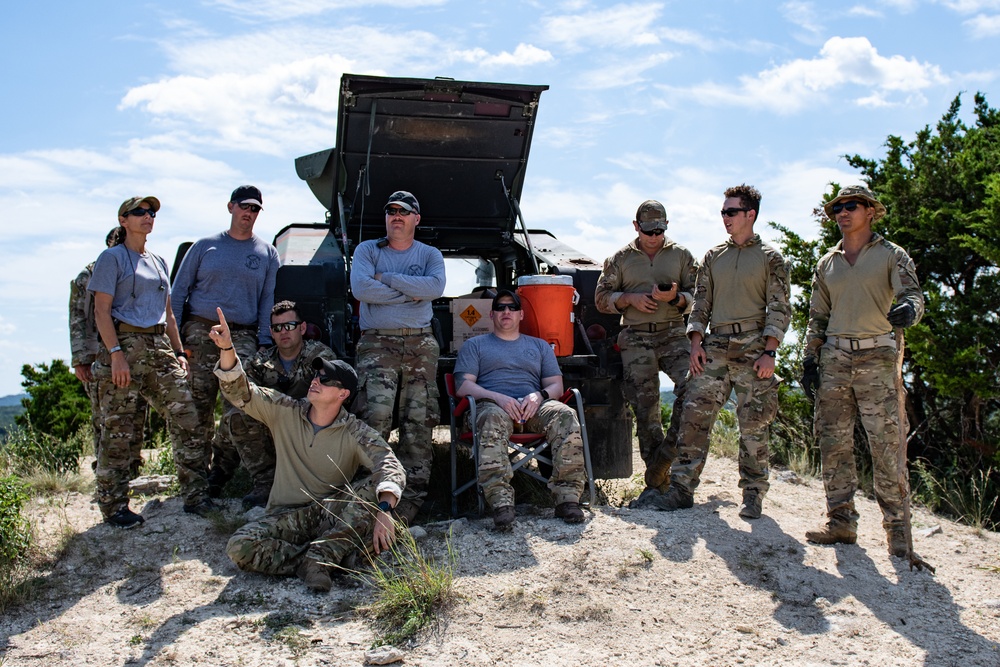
(470, 315)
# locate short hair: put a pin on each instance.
(748, 194)
(285, 306)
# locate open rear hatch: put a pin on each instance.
(461, 147)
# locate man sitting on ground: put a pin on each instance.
(513, 376)
(315, 517)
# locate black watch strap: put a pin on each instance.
(545, 395)
(769, 353)
(384, 506)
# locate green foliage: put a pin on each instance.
(410, 589)
(57, 404)
(15, 533)
(28, 450)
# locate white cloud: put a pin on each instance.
(802, 14)
(971, 6)
(274, 10)
(619, 73)
(984, 26)
(842, 62)
(618, 26)
(865, 11)
(523, 56)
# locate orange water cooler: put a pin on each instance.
(548, 303)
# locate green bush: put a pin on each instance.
(57, 403)
(15, 533)
(29, 450)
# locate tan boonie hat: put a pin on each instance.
(651, 216)
(856, 192)
(133, 202)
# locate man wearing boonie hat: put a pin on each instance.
(315, 516)
(862, 288)
(650, 283)
(234, 270)
(396, 279)
(740, 314)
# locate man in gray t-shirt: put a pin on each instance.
(513, 377)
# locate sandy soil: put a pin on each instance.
(696, 587)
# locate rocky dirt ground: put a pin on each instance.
(696, 587)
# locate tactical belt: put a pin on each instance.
(121, 327)
(397, 332)
(656, 327)
(736, 328)
(855, 344)
(232, 326)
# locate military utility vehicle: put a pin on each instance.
(462, 148)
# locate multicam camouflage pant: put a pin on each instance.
(407, 364)
(252, 441)
(558, 422)
(854, 384)
(93, 390)
(644, 355)
(205, 388)
(729, 366)
(326, 531)
(157, 377)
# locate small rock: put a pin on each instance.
(254, 513)
(993, 604)
(789, 477)
(933, 530)
(383, 655)
(150, 485)
(417, 532)
(459, 526)
(745, 629)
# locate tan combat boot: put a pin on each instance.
(895, 535)
(836, 531)
(316, 576)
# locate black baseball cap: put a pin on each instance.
(247, 194)
(506, 292)
(336, 371)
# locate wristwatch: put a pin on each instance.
(769, 353)
(544, 394)
(384, 506)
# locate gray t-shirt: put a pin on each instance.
(510, 367)
(237, 276)
(410, 281)
(137, 283)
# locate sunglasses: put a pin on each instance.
(733, 212)
(253, 208)
(847, 206)
(397, 211)
(327, 381)
(500, 307)
(285, 326)
(655, 232)
(140, 212)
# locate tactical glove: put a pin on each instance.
(810, 377)
(902, 315)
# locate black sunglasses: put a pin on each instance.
(327, 381)
(500, 307)
(847, 206)
(285, 326)
(655, 232)
(733, 212)
(140, 212)
(253, 208)
(397, 211)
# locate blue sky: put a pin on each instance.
(667, 100)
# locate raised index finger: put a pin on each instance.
(222, 319)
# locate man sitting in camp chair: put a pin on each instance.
(513, 376)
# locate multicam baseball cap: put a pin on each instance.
(651, 216)
(247, 194)
(856, 192)
(405, 200)
(133, 202)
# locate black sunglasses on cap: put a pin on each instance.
(140, 212)
(847, 206)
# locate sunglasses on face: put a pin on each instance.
(327, 381)
(397, 211)
(733, 212)
(253, 208)
(847, 206)
(512, 307)
(285, 326)
(655, 232)
(140, 212)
